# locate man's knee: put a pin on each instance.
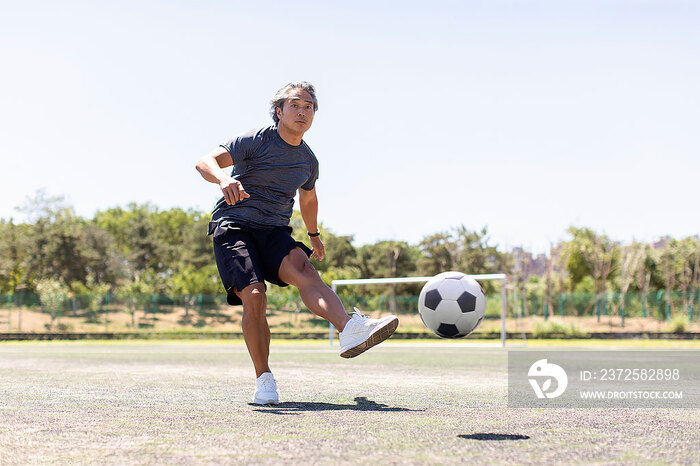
(297, 269)
(253, 298)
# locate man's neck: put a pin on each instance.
(293, 139)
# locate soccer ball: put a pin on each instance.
(452, 305)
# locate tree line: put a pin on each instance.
(141, 249)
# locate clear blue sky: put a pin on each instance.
(523, 116)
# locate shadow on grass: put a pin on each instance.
(361, 404)
(483, 436)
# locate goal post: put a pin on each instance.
(389, 281)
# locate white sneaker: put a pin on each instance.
(265, 390)
(361, 333)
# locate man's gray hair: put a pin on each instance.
(282, 94)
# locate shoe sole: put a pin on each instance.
(379, 335)
(266, 402)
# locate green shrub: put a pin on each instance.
(678, 324)
(64, 327)
(544, 329)
(573, 331)
(52, 293)
(541, 329)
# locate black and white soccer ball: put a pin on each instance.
(452, 305)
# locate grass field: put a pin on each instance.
(188, 402)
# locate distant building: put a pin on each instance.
(661, 242)
(528, 264)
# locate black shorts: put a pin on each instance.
(250, 255)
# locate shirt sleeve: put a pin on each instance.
(241, 147)
(311, 182)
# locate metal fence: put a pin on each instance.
(658, 304)
(97, 308)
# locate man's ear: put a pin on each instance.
(278, 111)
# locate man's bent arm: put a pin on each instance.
(211, 168)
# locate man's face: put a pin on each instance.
(297, 113)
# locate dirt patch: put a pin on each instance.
(228, 319)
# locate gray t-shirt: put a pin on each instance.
(271, 171)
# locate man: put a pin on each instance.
(252, 237)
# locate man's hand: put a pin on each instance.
(317, 245)
(233, 190)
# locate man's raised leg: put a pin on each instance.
(296, 270)
(357, 334)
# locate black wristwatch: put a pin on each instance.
(313, 235)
